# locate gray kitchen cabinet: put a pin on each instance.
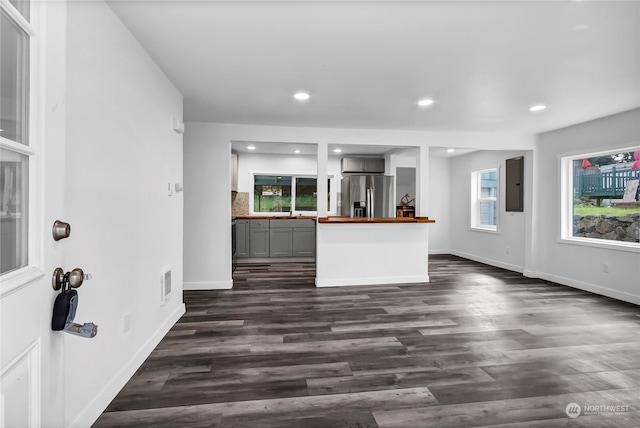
(374, 165)
(259, 238)
(280, 244)
(304, 241)
(352, 164)
(282, 238)
(292, 238)
(242, 239)
(362, 165)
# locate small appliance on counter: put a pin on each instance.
(406, 207)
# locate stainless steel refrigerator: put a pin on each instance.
(367, 196)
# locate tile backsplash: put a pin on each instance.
(239, 203)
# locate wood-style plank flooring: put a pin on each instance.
(477, 346)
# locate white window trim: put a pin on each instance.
(16, 279)
(252, 175)
(475, 202)
(565, 226)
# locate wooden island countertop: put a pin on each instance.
(373, 220)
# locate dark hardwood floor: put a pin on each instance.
(477, 346)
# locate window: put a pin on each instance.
(600, 198)
(15, 150)
(484, 199)
(286, 193)
(271, 193)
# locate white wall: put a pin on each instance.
(440, 197)
(249, 163)
(121, 153)
(504, 248)
(405, 183)
(207, 229)
(577, 265)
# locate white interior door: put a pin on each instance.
(31, 197)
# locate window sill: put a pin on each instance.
(632, 247)
(484, 230)
(13, 281)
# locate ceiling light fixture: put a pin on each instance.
(296, 151)
(337, 150)
(451, 150)
(426, 102)
(301, 96)
(537, 107)
(251, 147)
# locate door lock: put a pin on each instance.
(60, 230)
(73, 279)
(66, 303)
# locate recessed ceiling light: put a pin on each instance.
(426, 102)
(537, 107)
(301, 96)
(451, 150)
(337, 150)
(296, 151)
(251, 147)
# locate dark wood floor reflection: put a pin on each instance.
(477, 346)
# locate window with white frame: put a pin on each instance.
(484, 199)
(15, 143)
(600, 200)
(286, 194)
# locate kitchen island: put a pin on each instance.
(364, 251)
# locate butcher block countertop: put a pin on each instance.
(373, 220)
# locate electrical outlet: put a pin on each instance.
(605, 267)
(508, 249)
(126, 323)
(169, 189)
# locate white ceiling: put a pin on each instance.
(366, 63)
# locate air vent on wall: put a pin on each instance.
(165, 285)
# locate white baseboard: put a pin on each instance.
(490, 262)
(372, 281)
(208, 285)
(439, 251)
(93, 411)
(585, 286)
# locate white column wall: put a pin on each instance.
(207, 208)
(440, 197)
